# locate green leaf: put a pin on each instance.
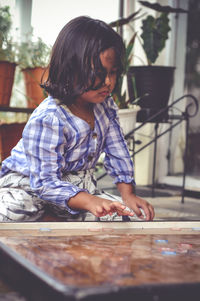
(7, 46)
(154, 36)
(163, 8)
(33, 53)
(123, 21)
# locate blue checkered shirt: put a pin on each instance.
(55, 142)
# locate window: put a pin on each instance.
(49, 16)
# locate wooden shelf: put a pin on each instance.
(16, 110)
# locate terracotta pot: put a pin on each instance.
(10, 134)
(7, 73)
(34, 93)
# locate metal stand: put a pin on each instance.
(154, 161)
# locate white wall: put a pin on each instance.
(178, 59)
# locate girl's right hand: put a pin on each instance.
(97, 205)
(103, 207)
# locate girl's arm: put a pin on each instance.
(117, 162)
(119, 165)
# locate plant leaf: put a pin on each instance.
(123, 21)
(154, 35)
(163, 8)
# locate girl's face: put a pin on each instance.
(108, 61)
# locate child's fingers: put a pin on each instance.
(100, 211)
(111, 207)
(148, 211)
(108, 207)
(105, 208)
(115, 206)
(121, 209)
(152, 212)
(126, 212)
(137, 211)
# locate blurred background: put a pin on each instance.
(43, 19)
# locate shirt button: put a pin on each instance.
(94, 135)
(90, 158)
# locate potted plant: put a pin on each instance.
(9, 133)
(127, 107)
(152, 84)
(33, 60)
(7, 57)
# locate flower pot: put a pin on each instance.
(7, 73)
(10, 134)
(34, 93)
(127, 119)
(153, 84)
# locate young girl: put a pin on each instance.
(53, 164)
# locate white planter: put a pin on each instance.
(127, 119)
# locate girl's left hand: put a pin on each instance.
(136, 204)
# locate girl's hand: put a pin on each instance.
(104, 207)
(136, 204)
(97, 205)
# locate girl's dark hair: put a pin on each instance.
(75, 59)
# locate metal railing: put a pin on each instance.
(184, 116)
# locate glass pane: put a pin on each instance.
(49, 16)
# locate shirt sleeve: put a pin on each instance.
(117, 162)
(44, 141)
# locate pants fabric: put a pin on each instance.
(18, 203)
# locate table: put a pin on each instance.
(102, 260)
